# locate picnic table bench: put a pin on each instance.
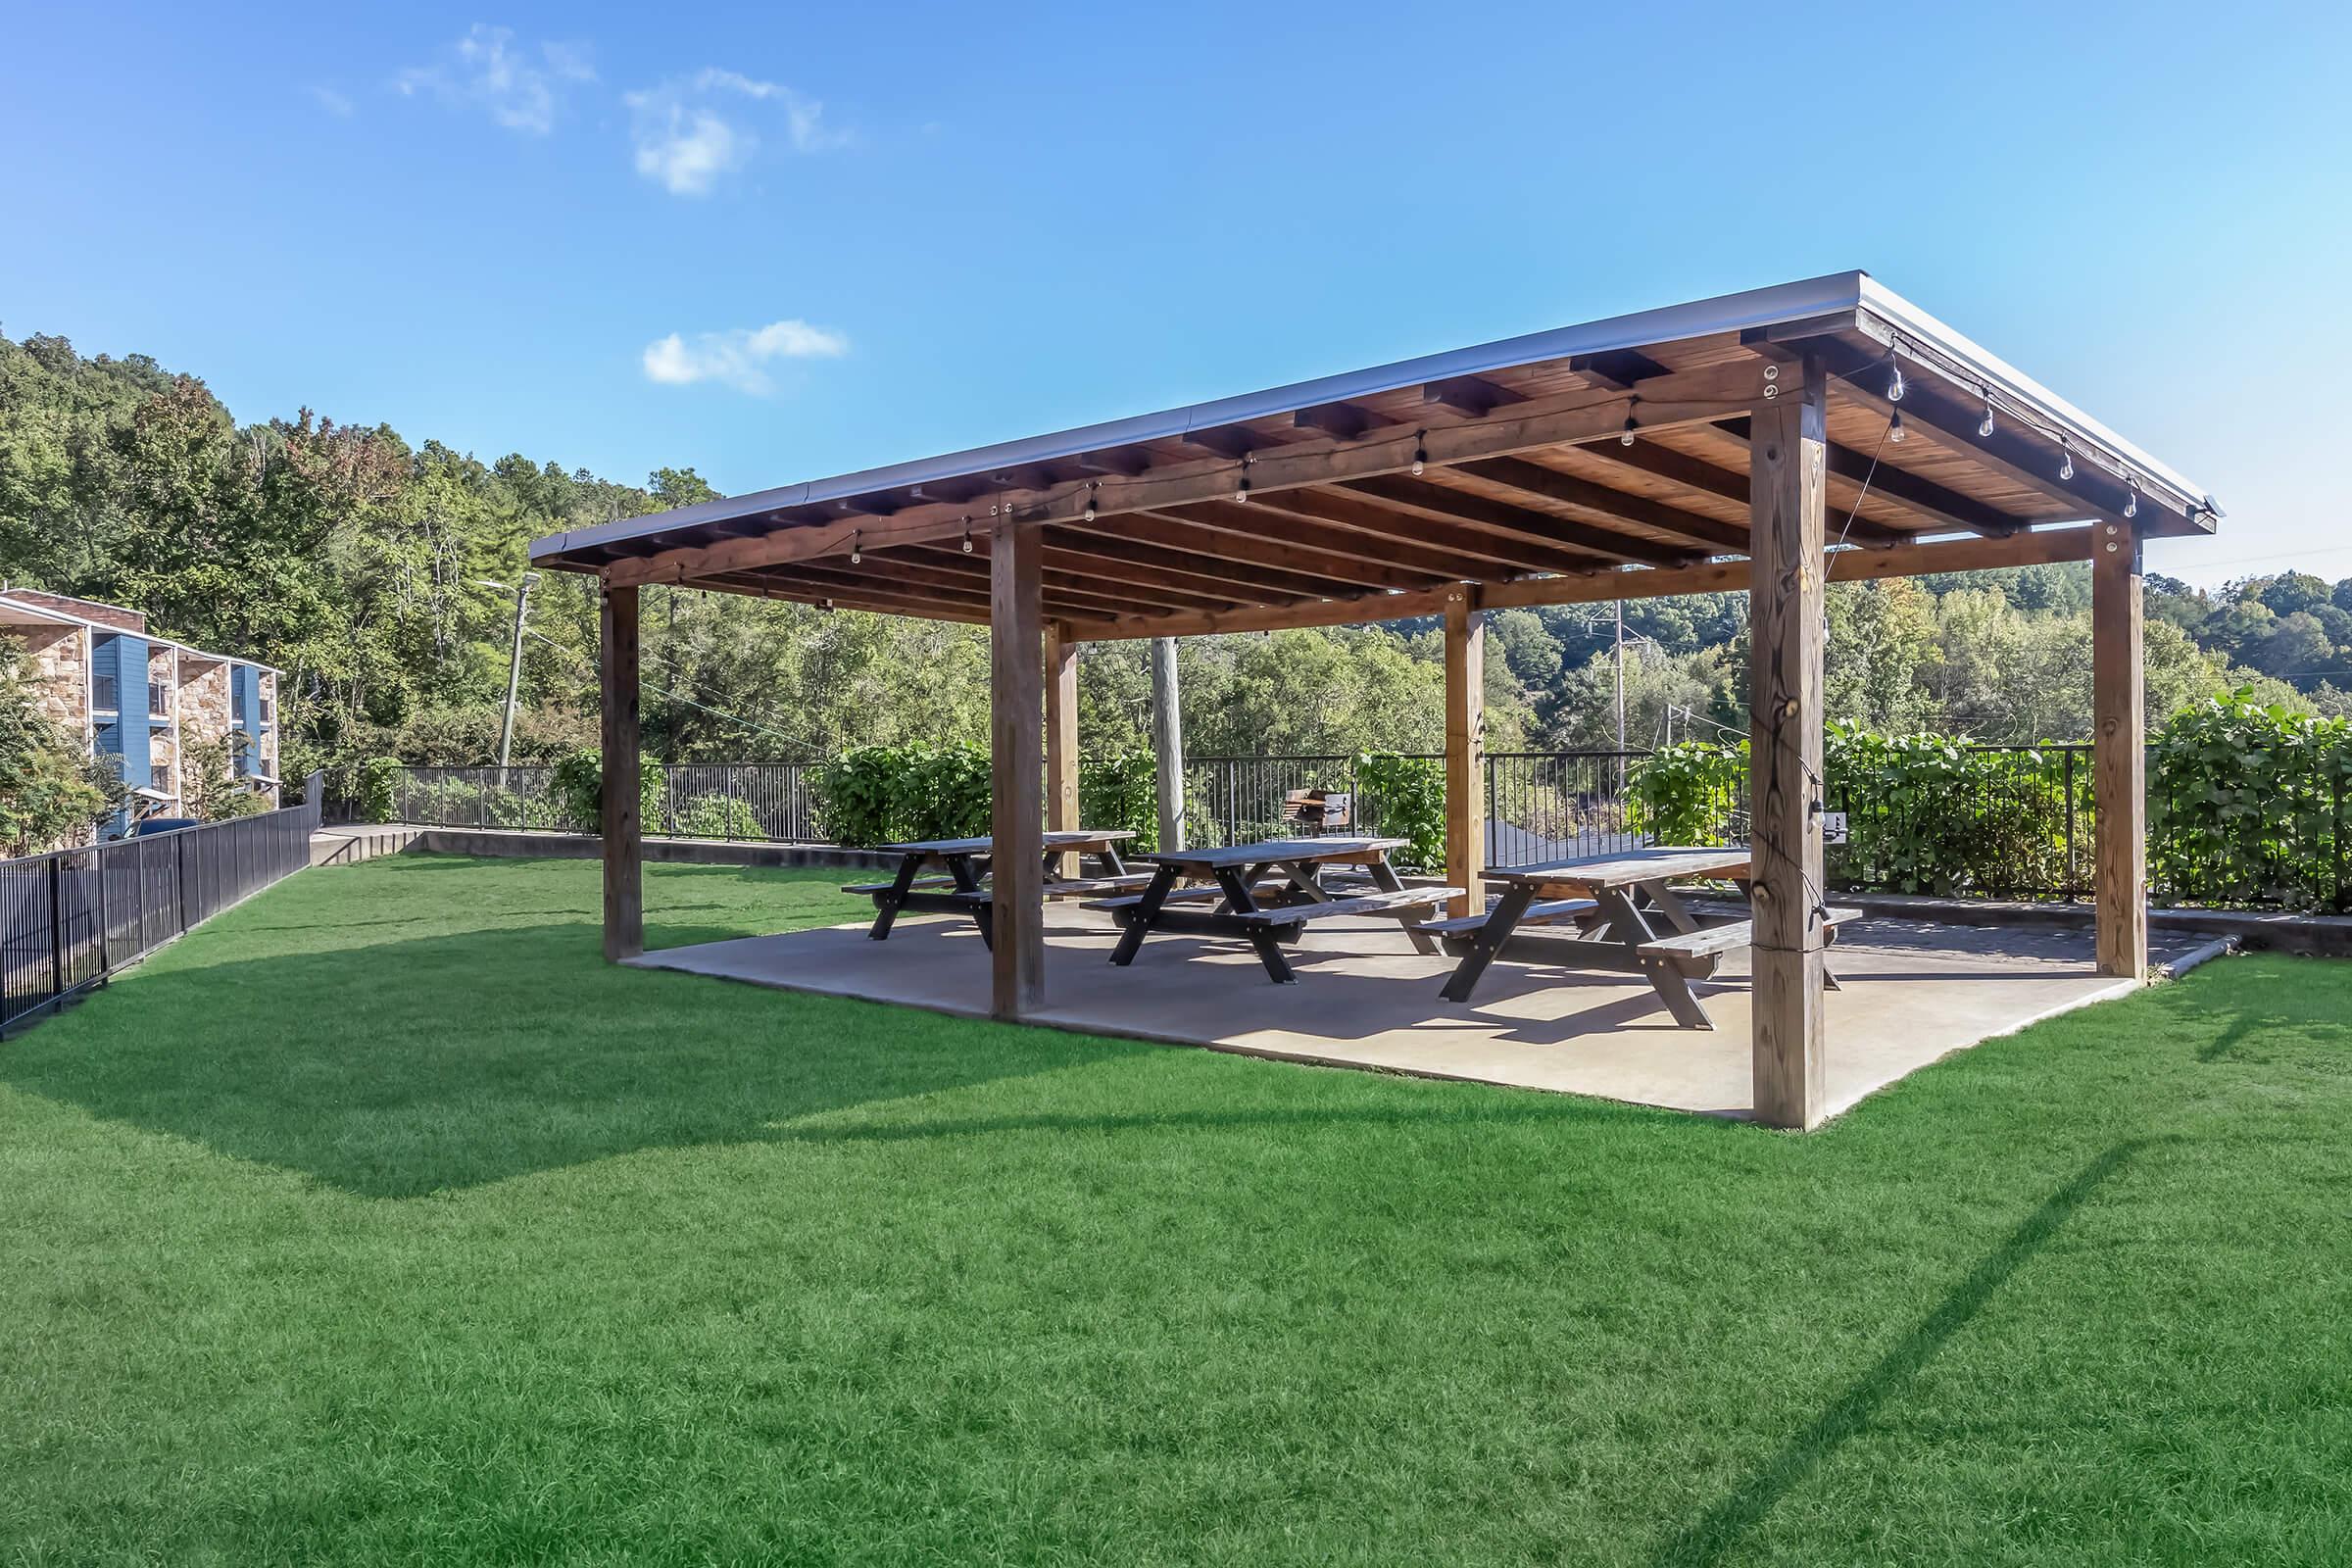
(1612, 902)
(960, 890)
(1242, 908)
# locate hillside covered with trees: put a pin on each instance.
(368, 568)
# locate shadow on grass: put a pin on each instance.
(1537, 1108)
(401, 1068)
(1721, 1530)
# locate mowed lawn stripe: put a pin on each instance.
(381, 1221)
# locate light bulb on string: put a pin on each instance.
(968, 536)
(1420, 451)
(1985, 429)
(2130, 498)
(1894, 428)
(2065, 463)
(1626, 437)
(856, 555)
(1894, 386)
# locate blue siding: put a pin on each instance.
(124, 737)
(245, 707)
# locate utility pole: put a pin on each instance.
(1167, 743)
(1621, 698)
(523, 603)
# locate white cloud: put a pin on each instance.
(334, 102)
(685, 142)
(737, 358)
(520, 88)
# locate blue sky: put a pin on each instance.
(798, 241)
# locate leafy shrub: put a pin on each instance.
(1404, 798)
(1689, 793)
(376, 776)
(577, 785)
(890, 794)
(718, 817)
(2245, 805)
(1121, 792)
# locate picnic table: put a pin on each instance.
(957, 889)
(1612, 902)
(1241, 904)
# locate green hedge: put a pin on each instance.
(2245, 806)
(892, 794)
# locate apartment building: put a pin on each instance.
(147, 701)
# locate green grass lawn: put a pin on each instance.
(379, 1221)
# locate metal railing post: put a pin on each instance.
(57, 927)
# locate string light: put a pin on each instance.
(2065, 463)
(1420, 451)
(1241, 491)
(2131, 497)
(1090, 499)
(1626, 437)
(1894, 428)
(856, 555)
(967, 535)
(1985, 430)
(1894, 387)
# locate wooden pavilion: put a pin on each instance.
(1770, 441)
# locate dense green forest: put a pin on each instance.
(368, 567)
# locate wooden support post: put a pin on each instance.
(1016, 816)
(2120, 761)
(1465, 748)
(1788, 455)
(621, 824)
(1167, 742)
(1061, 737)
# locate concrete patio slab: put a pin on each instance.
(1913, 992)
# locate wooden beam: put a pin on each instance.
(1616, 367)
(1517, 523)
(619, 820)
(1697, 473)
(2119, 783)
(970, 572)
(2030, 460)
(1788, 477)
(1225, 440)
(1343, 422)
(1330, 521)
(1124, 461)
(1687, 397)
(1131, 587)
(2043, 546)
(1465, 748)
(1061, 737)
(1016, 813)
(1113, 541)
(1243, 534)
(881, 601)
(1940, 503)
(1533, 480)
(1471, 394)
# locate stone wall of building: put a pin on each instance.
(203, 719)
(58, 664)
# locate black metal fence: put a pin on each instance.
(71, 917)
(759, 801)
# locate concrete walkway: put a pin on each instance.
(1914, 992)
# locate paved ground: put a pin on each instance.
(1914, 991)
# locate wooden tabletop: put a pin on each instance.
(1274, 852)
(1660, 863)
(1065, 839)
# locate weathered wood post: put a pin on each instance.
(1016, 816)
(1465, 747)
(1061, 736)
(1787, 454)
(1167, 742)
(619, 817)
(2119, 777)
